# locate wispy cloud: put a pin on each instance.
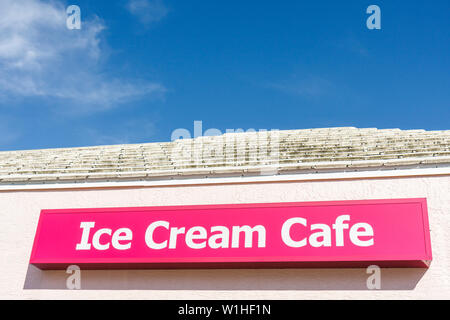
(40, 57)
(353, 45)
(8, 132)
(308, 87)
(123, 135)
(147, 11)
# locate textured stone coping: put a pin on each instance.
(231, 154)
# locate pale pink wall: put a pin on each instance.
(20, 211)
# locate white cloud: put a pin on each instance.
(148, 11)
(40, 57)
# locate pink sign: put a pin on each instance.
(392, 233)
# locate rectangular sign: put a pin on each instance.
(388, 233)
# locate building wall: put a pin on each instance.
(20, 211)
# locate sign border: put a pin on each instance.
(260, 262)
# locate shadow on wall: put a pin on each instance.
(225, 279)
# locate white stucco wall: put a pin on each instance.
(20, 211)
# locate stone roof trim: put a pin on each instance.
(233, 154)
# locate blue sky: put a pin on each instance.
(139, 69)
